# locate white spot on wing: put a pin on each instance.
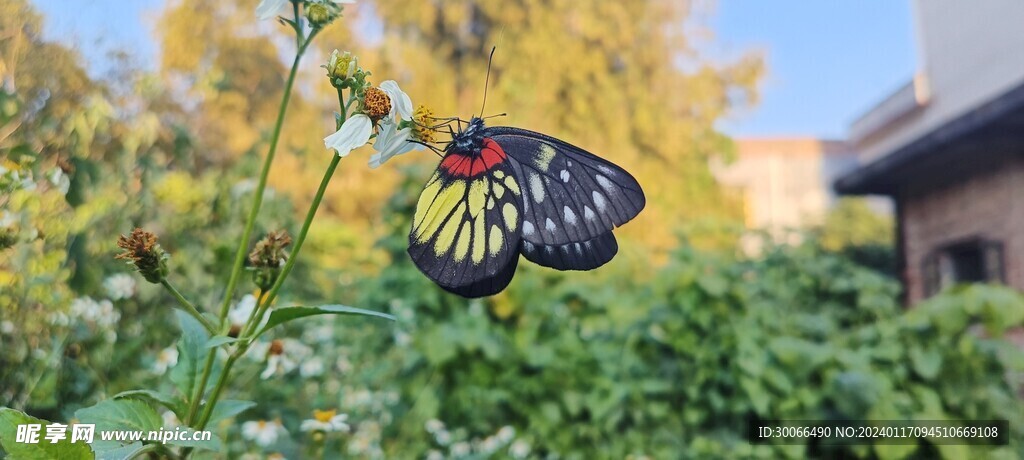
(588, 213)
(606, 170)
(570, 217)
(536, 188)
(599, 201)
(605, 183)
(564, 175)
(550, 225)
(527, 227)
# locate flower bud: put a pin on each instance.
(319, 15)
(144, 253)
(267, 258)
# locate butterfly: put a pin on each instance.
(500, 192)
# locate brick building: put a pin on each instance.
(948, 148)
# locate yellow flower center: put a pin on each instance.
(340, 69)
(324, 416)
(377, 103)
(422, 119)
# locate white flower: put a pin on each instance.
(401, 104)
(8, 219)
(435, 455)
(506, 433)
(402, 339)
(391, 142)
(170, 419)
(267, 9)
(284, 357)
(60, 180)
(119, 286)
(519, 449)
(240, 312)
(460, 449)
(443, 437)
(312, 367)
(433, 426)
(354, 133)
(6, 327)
(263, 432)
(327, 421)
(101, 313)
(343, 365)
(166, 359)
(490, 444)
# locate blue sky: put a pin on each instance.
(828, 61)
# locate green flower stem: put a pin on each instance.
(243, 244)
(189, 308)
(255, 320)
(313, 207)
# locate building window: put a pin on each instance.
(971, 261)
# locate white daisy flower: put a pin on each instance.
(506, 433)
(443, 437)
(267, 9)
(6, 327)
(435, 455)
(401, 104)
(313, 367)
(263, 432)
(240, 312)
(284, 356)
(354, 133)
(60, 180)
(433, 426)
(328, 421)
(170, 419)
(119, 286)
(391, 142)
(460, 449)
(166, 359)
(519, 449)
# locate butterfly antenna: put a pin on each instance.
(487, 79)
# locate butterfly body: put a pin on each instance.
(500, 192)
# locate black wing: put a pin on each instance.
(572, 199)
(465, 233)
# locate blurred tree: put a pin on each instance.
(857, 231)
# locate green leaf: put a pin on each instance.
(9, 421)
(155, 397)
(229, 408)
(191, 354)
(283, 315)
(219, 340)
(927, 362)
(121, 414)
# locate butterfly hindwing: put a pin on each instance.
(466, 230)
(571, 199)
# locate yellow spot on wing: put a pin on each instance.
(499, 174)
(477, 196)
(446, 238)
(446, 200)
(497, 189)
(536, 188)
(478, 239)
(512, 185)
(495, 240)
(426, 198)
(510, 213)
(462, 245)
(545, 156)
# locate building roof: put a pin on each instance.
(971, 135)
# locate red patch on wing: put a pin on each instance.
(490, 156)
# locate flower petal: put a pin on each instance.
(390, 142)
(267, 9)
(400, 101)
(353, 134)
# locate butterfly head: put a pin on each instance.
(468, 140)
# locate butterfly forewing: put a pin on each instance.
(466, 230)
(571, 199)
